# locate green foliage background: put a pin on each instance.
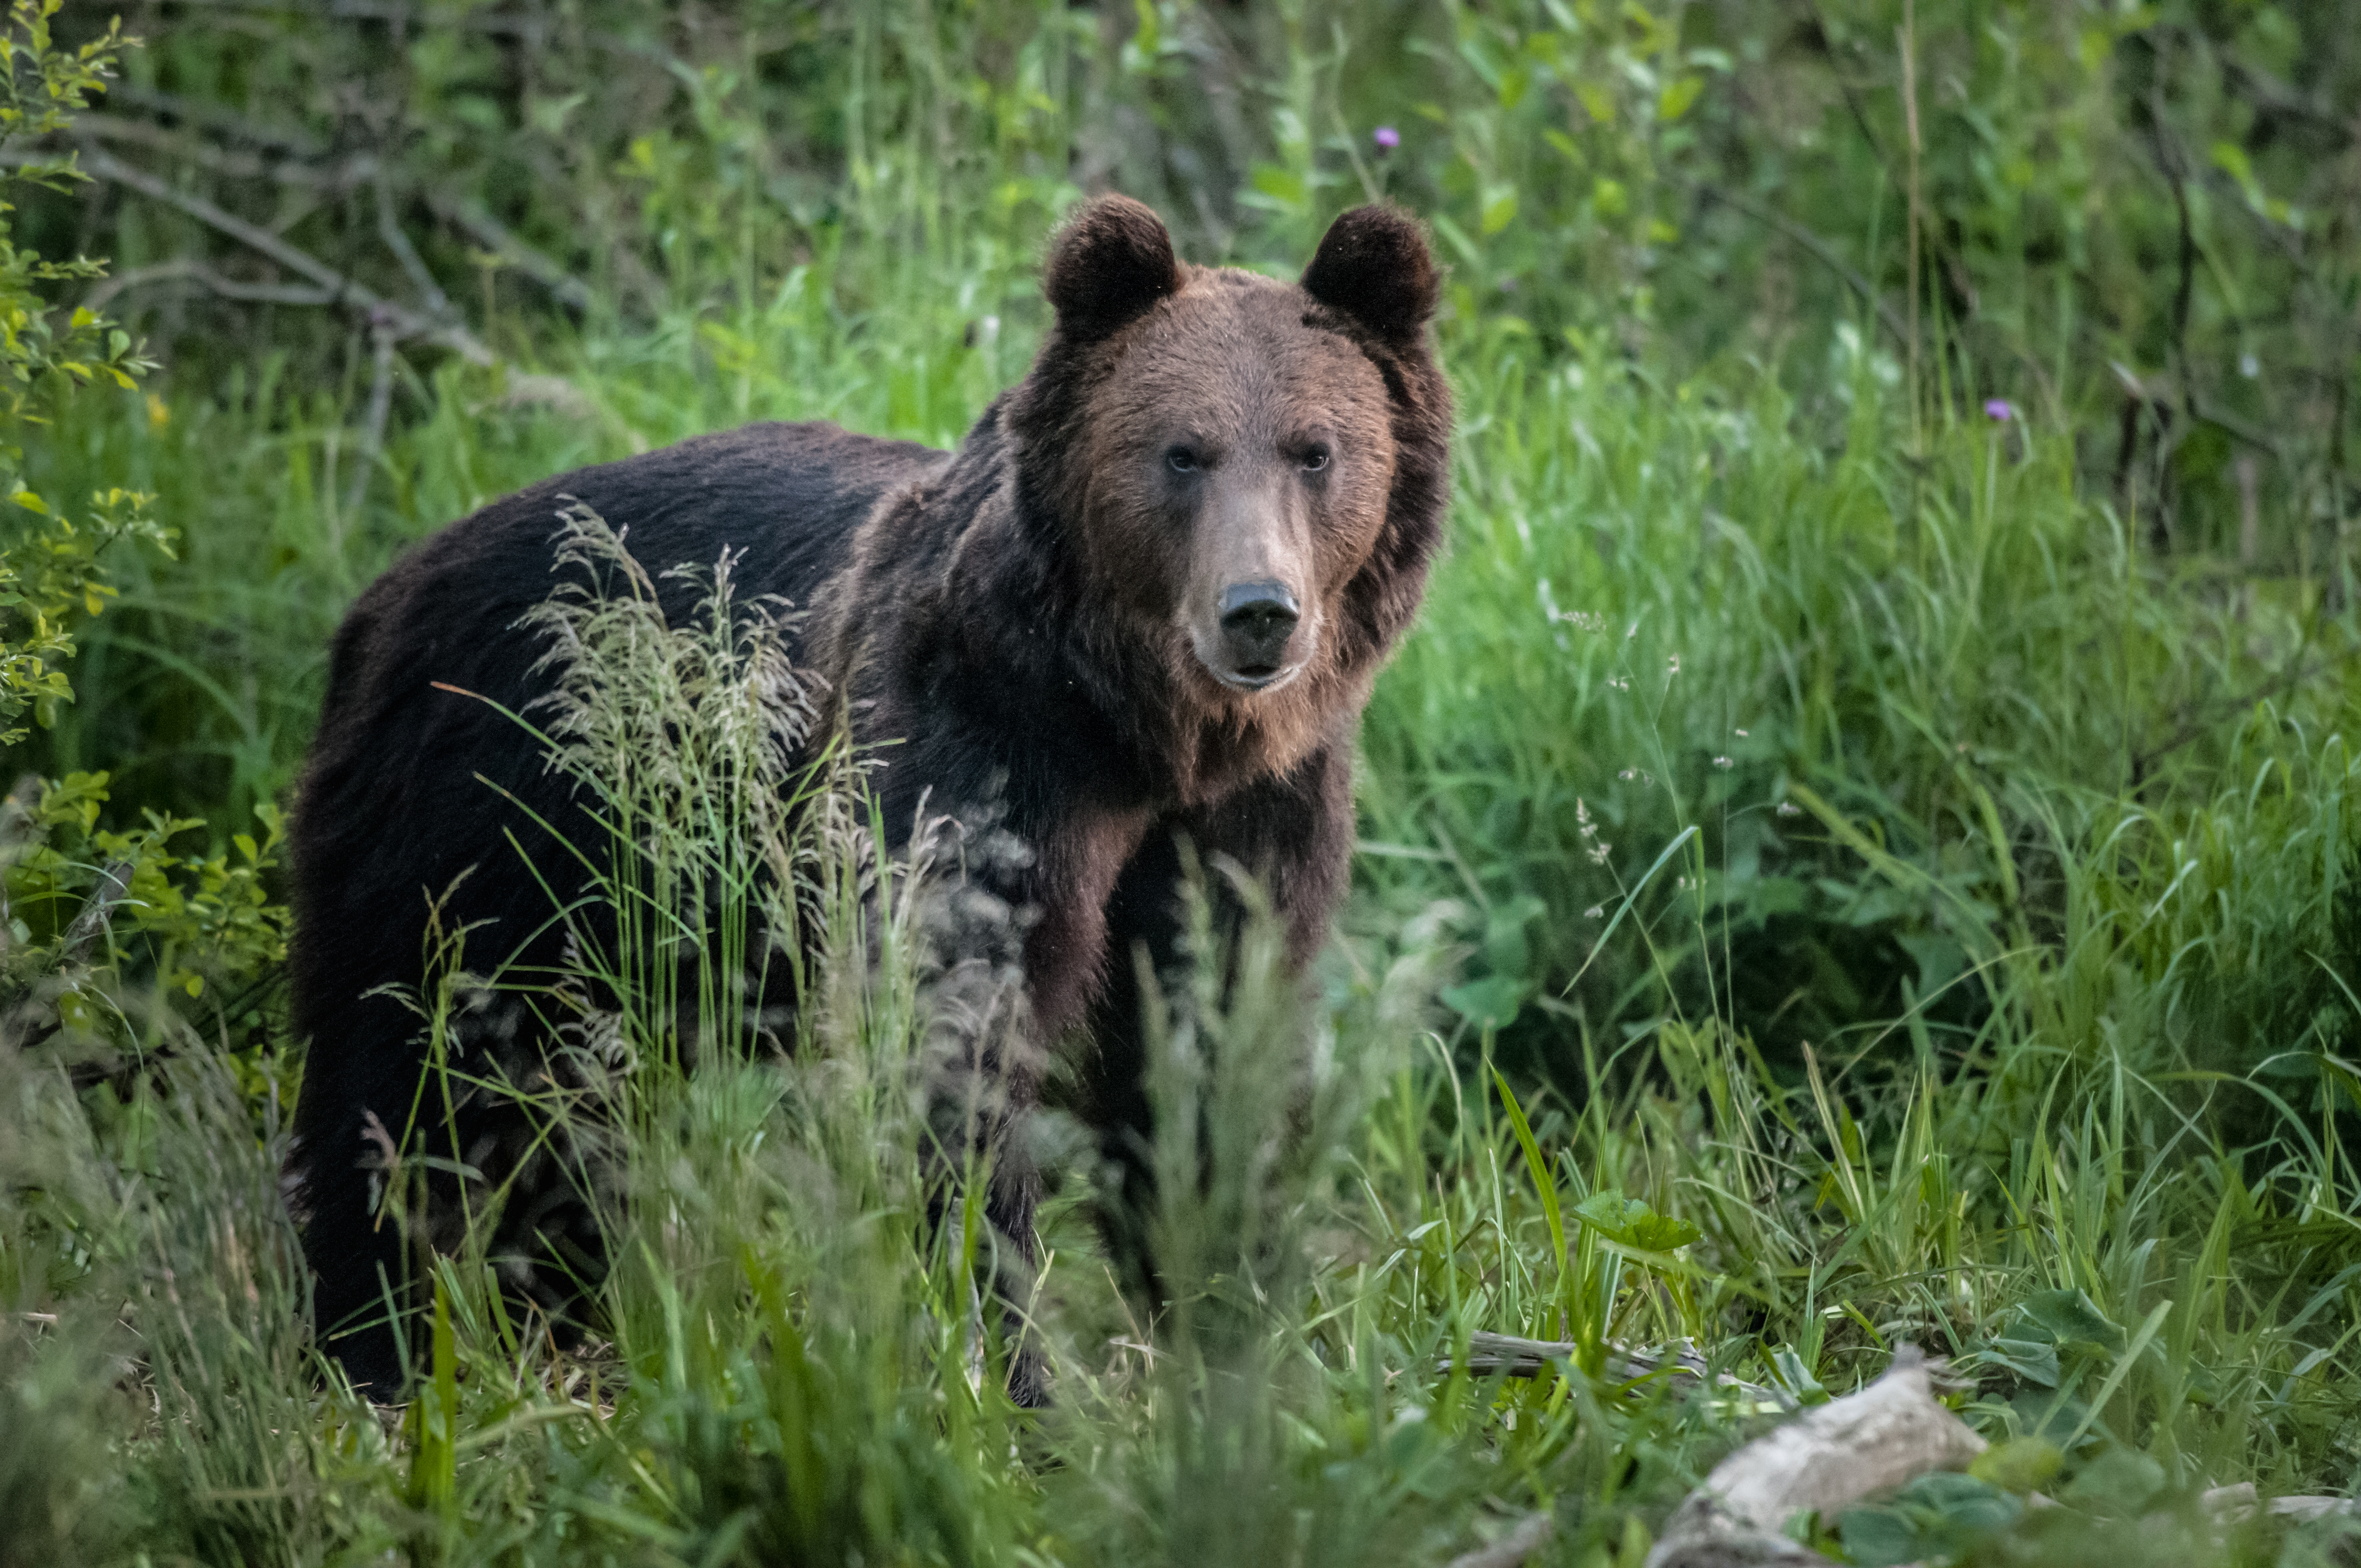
(1872, 771)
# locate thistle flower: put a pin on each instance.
(2000, 410)
(1386, 137)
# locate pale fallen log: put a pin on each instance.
(1823, 1461)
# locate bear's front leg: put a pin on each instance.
(1293, 835)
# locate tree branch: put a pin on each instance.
(305, 169)
(188, 269)
(405, 322)
(1820, 250)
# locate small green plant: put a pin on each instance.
(51, 567)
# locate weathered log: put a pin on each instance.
(1846, 1450)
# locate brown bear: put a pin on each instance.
(1142, 604)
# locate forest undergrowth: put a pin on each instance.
(1861, 850)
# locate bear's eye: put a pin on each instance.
(1180, 460)
(1315, 459)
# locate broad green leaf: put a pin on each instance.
(2021, 1464)
(1677, 96)
(2119, 1482)
(2069, 1318)
(1500, 209)
(2035, 1361)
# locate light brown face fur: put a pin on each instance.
(1233, 446)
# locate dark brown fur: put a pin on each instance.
(1026, 618)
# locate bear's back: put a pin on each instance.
(398, 797)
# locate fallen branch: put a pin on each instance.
(1490, 1354)
(1848, 1449)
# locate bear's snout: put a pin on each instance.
(1257, 620)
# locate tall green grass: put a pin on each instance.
(1983, 1009)
(1829, 880)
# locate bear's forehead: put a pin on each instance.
(1239, 344)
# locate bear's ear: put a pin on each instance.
(1113, 261)
(1373, 266)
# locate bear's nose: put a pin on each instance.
(1257, 621)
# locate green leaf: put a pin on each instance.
(1788, 1370)
(1506, 950)
(1495, 1000)
(1282, 185)
(2035, 1361)
(1677, 96)
(1663, 1232)
(2119, 1482)
(1932, 1518)
(2072, 1317)
(2021, 1464)
(1500, 209)
(1627, 1222)
(1545, 1180)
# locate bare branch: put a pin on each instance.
(380, 404)
(408, 323)
(1488, 1354)
(114, 887)
(187, 269)
(464, 213)
(195, 112)
(488, 232)
(1820, 249)
(389, 231)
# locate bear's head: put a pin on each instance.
(1247, 474)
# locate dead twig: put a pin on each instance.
(1490, 1354)
(1820, 249)
(341, 289)
(380, 404)
(190, 271)
(196, 112)
(468, 214)
(2293, 676)
(389, 229)
(305, 167)
(114, 887)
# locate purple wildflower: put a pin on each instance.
(1386, 137)
(2000, 410)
